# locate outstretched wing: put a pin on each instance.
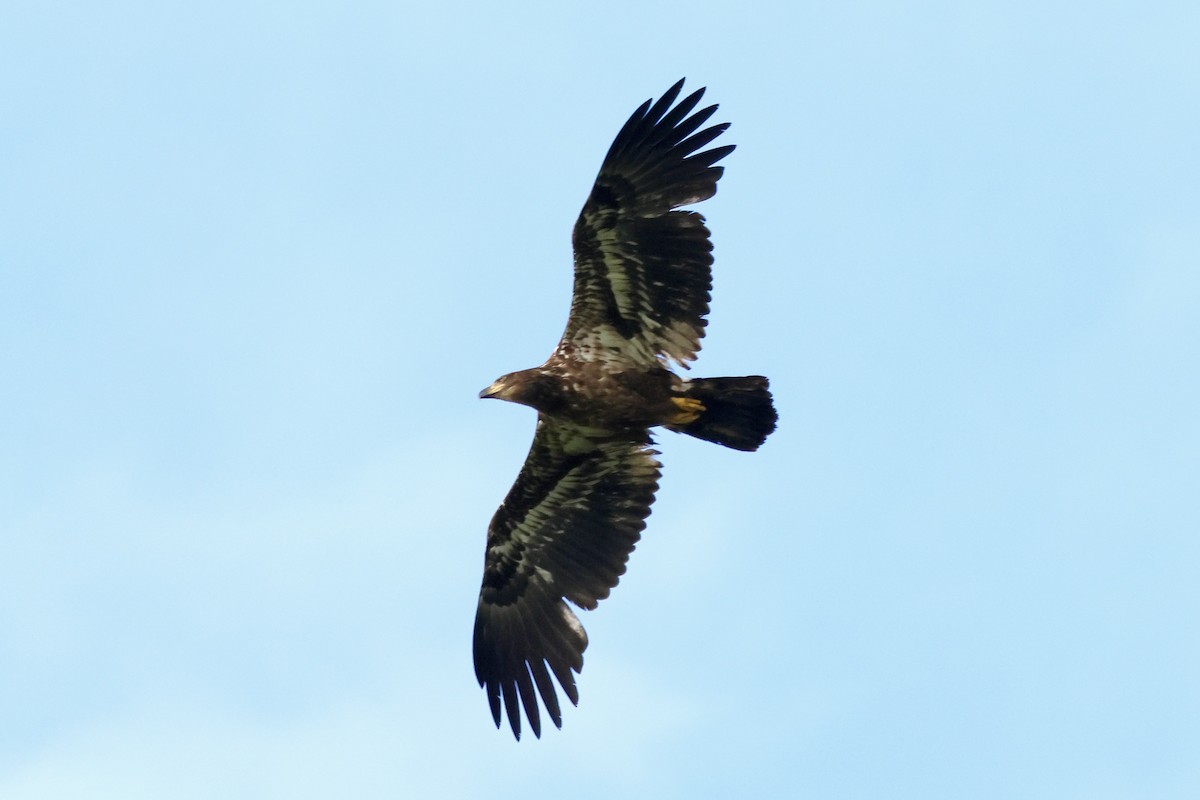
(643, 270)
(565, 530)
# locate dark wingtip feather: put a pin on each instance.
(512, 708)
(529, 701)
(696, 141)
(546, 689)
(493, 695)
(710, 157)
(657, 111)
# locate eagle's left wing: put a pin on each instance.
(565, 531)
(643, 270)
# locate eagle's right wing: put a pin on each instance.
(565, 531)
(642, 269)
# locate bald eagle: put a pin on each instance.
(580, 502)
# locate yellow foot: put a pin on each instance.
(689, 410)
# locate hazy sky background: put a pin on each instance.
(257, 260)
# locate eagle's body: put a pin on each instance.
(590, 394)
(569, 523)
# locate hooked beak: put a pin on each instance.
(489, 392)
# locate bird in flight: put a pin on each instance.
(643, 273)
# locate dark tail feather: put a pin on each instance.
(738, 412)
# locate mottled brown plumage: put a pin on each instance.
(580, 502)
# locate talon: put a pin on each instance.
(690, 410)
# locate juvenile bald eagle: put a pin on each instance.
(569, 523)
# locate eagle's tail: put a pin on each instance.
(735, 412)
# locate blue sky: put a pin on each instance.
(257, 260)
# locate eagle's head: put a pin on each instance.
(529, 387)
(502, 388)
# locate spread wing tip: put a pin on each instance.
(656, 130)
(510, 694)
